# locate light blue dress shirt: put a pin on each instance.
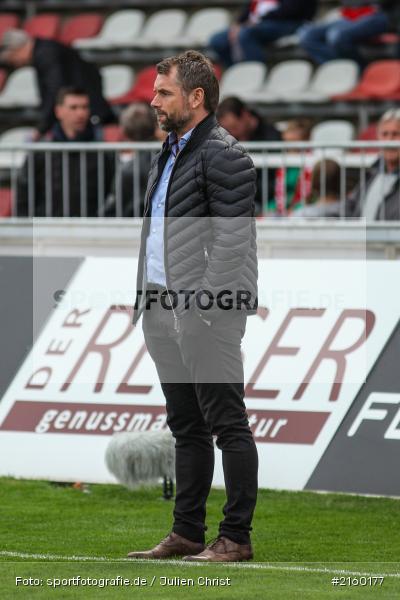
(155, 240)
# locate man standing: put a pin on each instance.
(196, 284)
(57, 66)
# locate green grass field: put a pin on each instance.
(301, 541)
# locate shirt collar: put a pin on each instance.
(173, 139)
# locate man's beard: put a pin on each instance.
(174, 123)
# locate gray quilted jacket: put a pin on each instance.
(209, 229)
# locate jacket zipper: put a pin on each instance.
(176, 319)
(143, 300)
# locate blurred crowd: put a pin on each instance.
(339, 36)
(73, 109)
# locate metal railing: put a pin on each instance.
(108, 179)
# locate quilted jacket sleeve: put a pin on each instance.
(230, 181)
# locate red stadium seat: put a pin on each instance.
(5, 202)
(3, 78)
(142, 90)
(85, 25)
(385, 39)
(8, 21)
(45, 25)
(112, 133)
(369, 134)
(381, 80)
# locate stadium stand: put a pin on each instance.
(80, 26)
(126, 38)
(370, 133)
(334, 77)
(142, 90)
(119, 29)
(20, 89)
(381, 80)
(243, 78)
(161, 29)
(16, 135)
(285, 82)
(8, 21)
(201, 26)
(45, 25)
(117, 80)
(331, 132)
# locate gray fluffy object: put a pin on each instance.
(141, 458)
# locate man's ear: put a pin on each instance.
(197, 97)
(58, 111)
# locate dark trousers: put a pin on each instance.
(201, 374)
(341, 38)
(251, 41)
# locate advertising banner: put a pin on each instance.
(320, 329)
(364, 455)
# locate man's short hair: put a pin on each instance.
(393, 114)
(138, 122)
(69, 91)
(194, 70)
(231, 105)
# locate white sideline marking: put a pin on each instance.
(182, 563)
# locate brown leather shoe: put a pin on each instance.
(172, 545)
(223, 550)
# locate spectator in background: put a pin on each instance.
(159, 134)
(360, 21)
(138, 124)
(261, 22)
(379, 199)
(325, 192)
(66, 184)
(292, 184)
(246, 125)
(56, 66)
